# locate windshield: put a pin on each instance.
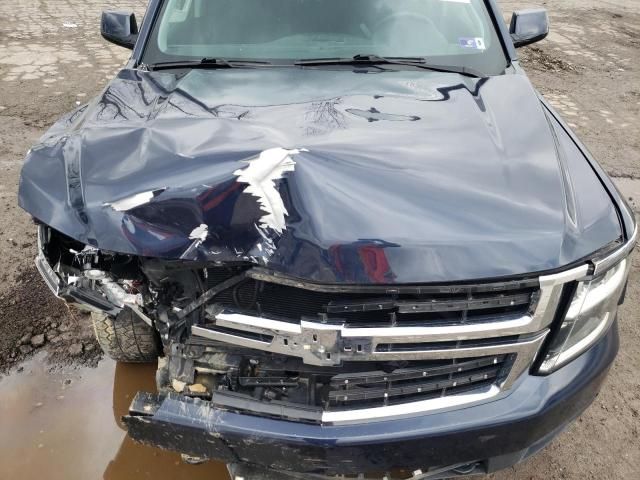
(444, 32)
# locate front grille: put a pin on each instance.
(368, 352)
(421, 382)
(304, 396)
(465, 304)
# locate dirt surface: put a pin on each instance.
(33, 319)
(55, 409)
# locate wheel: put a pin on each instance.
(126, 338)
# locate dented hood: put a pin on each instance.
(331, 176)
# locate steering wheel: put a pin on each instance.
(403, 15)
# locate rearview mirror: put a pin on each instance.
(529, 26)
(120, 28)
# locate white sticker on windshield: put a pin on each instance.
(468, 42)
(457, 1)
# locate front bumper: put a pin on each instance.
(491, 436)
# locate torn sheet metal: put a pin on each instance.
(311, 173)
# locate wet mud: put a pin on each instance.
(64, 424)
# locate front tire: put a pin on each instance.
(126, 338)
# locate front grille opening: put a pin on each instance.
(456, 377)
(372, 310)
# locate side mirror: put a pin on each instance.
(120, 28)
(529, 26)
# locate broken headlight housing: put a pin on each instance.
(591, 312)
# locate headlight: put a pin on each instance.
(591, 312)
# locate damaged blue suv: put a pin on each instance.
(351, 233)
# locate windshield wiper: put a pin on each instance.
(417, 62)
(208, 63)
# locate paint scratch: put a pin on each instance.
(200, 233)
(260, 175)
(134, 201)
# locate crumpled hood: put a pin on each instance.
(331, 176)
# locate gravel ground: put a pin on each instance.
(52, 59)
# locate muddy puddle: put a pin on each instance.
(65, 424)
